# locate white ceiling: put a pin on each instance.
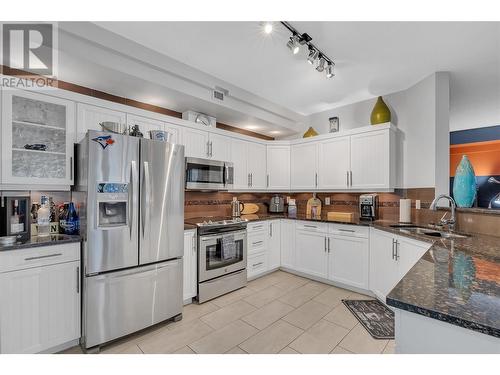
(372, 58)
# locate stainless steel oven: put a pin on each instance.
(206, 174)
(222, 256)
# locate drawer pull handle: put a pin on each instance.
(257, 243)
(310, 226)
(257, 264)
(43, 256)
(257, 227)
(347, 230)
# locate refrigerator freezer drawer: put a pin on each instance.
(121, 303)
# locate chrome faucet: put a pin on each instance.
(451, 221)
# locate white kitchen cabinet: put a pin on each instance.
(148, 124)
(278, 167)
(196, 143)
(39, 304)
(274, 245)
(334, 163)
(311, 254)
(304, 171)
(256, 265)
(239, 158)
(190, 263)
(391, 257)
(35, 118)
(220, 147)
(89, 117)
(288, 244)
(372, 160)
(348, 255)
(256, 165)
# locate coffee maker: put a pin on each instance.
(277, 204)
(368, 206)
(15, 217)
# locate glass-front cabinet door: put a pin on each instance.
(38, 132)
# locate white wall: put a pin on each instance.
(414, 112)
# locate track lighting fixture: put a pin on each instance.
(321, 64)
(329, 70)
(315, 56)
(294, 44)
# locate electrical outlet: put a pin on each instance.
(327, 201)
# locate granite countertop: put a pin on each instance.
(456, 281)
(55, 239)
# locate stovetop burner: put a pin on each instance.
(213, 221)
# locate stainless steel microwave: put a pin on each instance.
(206, 174)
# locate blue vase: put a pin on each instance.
(464, 184)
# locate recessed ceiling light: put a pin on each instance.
(268, 27)
(274, 132)
(252, 127)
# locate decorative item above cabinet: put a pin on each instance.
(380, 113)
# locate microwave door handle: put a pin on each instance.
(132, 196)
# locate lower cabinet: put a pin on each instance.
(391, 257)
(274, 245)
(40, 305)
(288, 244)
(190, 264)
(256, 265)
(348, 257)
(311, 253)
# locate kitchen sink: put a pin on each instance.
(445, 235)
(427, 231)
(404, 226)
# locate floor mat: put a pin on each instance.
(377, 318)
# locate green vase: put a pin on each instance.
(380, 113)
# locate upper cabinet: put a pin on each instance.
(249, 162)
(89, 117)
(304, 166)
(204, 145)
(373, 160)
(365, 161)
(278, 167)
(38, 132)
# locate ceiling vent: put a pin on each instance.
(219, 93)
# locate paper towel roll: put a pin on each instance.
(405, 210)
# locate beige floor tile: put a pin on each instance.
(321, 338)
(340, 350)
(236, 350)
(260, 284)
(359, 341)
(342, 316)
(125, 348)
(288, 350)
(224, 339)
(271, 339)
(390, 348)
(307, 314)
(184, 350)
(228, 314)
(292, 282)
(73, 350)
(265, 296)
(268, 314)
(232, 297)
(355, 295)
(168, 341)
(303, 294)
(332, 296)
(194, 311)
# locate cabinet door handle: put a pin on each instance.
(77, 280)
(71, 167)
(316, 179)
(328, 244)
(310, 226)
(270, 229)
(248, 179)
(347, 177)
(257, 264)
(211, 149)
(194, 245)
(393, 246)
(325, 244)
(208, 149)
(43, 256)
(267, 182)
(397, 250)
(350, 177)
(251, 179)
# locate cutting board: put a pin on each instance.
(313, 202)
(340, 216)
(249, 209)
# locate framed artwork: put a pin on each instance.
(334, 124)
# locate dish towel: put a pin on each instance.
(228, 247)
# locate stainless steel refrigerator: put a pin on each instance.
(132, 221)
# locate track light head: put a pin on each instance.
(313, 55)
(294, 44)
(321, 64)
(329, 70)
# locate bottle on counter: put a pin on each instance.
(292, 209)
(16, 224)
(52, 206)
(63, 209)
(43, 219)
(72, 221)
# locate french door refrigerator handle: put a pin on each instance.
(131, 196)
(147, 196)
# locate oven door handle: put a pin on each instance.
(217, 280)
